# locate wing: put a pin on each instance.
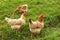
(15, 22)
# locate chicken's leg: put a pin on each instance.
(17, 31)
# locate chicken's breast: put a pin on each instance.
(36, 27)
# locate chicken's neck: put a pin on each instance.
(40, 19)
(23, 15)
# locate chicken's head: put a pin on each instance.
(22, 8)
(41, 17)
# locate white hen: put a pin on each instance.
(16, 23)
(36, 26)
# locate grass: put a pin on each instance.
(51, 9)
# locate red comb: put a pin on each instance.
(42, 14)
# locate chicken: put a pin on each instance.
(22, 8)
(35, 27)
(17, 23)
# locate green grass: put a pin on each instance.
(51, 9)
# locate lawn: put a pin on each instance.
(51, 9)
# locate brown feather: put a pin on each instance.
(41, 17)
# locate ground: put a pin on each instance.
(51, 9)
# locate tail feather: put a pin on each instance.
(30, 21)
(6, 18)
